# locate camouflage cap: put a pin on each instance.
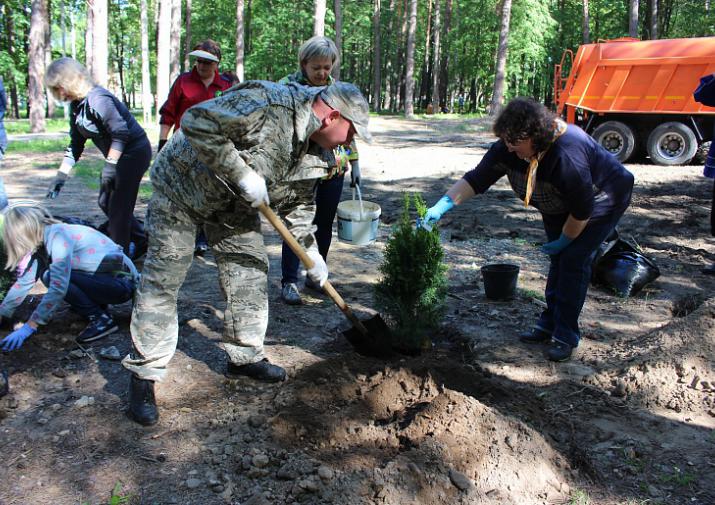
(347, 99)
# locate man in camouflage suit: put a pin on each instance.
(233, 153)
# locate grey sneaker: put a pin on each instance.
(290, 294)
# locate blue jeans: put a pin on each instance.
(327, 198)
(87, 292)
(569, 277)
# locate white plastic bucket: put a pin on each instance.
(358, 220)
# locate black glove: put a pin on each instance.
(106, 185)
(109, 174)
(162, 143)
(56, 185)
(354, 173)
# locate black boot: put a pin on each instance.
(262, 371)
(535, 336)
(558, 351)
(142, 405)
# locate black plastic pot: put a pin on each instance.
(500, 280)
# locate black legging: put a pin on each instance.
(712, 213)
(123, 227)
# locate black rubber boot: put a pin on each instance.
(142, 404)
(262, 371)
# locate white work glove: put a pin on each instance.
(254, 189)
(319, 272)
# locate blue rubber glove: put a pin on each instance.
(435, 213)
(15, 339)
(556, 246)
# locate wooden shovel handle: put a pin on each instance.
(295, 246)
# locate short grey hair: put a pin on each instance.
(71, 75)
(318, 47)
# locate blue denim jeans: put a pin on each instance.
(569, 277)
(327, 198)
(87, 292)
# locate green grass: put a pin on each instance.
(531, 293)
(117, 498)
(89, 171)
(39, 146)
(22, 126)
(579, 497)
(678, 477)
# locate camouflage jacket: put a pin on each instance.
(257, 125)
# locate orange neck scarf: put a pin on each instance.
(559, 129)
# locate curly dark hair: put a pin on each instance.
(525, 118)
(209, 46)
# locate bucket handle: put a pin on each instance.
(357, 186)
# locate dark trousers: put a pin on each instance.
(569, 277)
(712, 213)
(123, 227)
(327, 197)
(88, 292)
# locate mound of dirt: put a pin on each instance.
(671, 367)
(397, 432)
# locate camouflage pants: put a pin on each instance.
(243, 267)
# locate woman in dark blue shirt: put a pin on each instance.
(581, 191)
(97, 114)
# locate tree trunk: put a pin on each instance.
(445, 50)
(63, 28)
(389, 57)
(401, 66)
(337, 7)
(410, 61)
(376, 59)
(89, 38)
(11, 52)
(239, 40)
(500, 75)
(175, 42)
(163, 62)
(586, 22)
(436, 28)
(48, 59)
(36, 65)
(74, 35)
(187, 42)
(146, 75)
(426, 76)
(633, 18)
(100, 46)
(319, 18)
(653, 19)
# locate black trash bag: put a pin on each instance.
(620, 266)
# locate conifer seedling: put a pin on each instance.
(412, 290)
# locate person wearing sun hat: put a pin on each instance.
(232, 154)
(202, 83)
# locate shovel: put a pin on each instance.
(371, 337)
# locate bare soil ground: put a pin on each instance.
(480, 419)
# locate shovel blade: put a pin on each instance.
(377, 343)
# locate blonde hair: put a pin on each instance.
(71, 75)
(318, 47)
(24, 231)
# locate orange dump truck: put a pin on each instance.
(637, 96)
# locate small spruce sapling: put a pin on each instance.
(413, 287)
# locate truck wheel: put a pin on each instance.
(672, 144)
(617, 138)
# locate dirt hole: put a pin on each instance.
(686, 304)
